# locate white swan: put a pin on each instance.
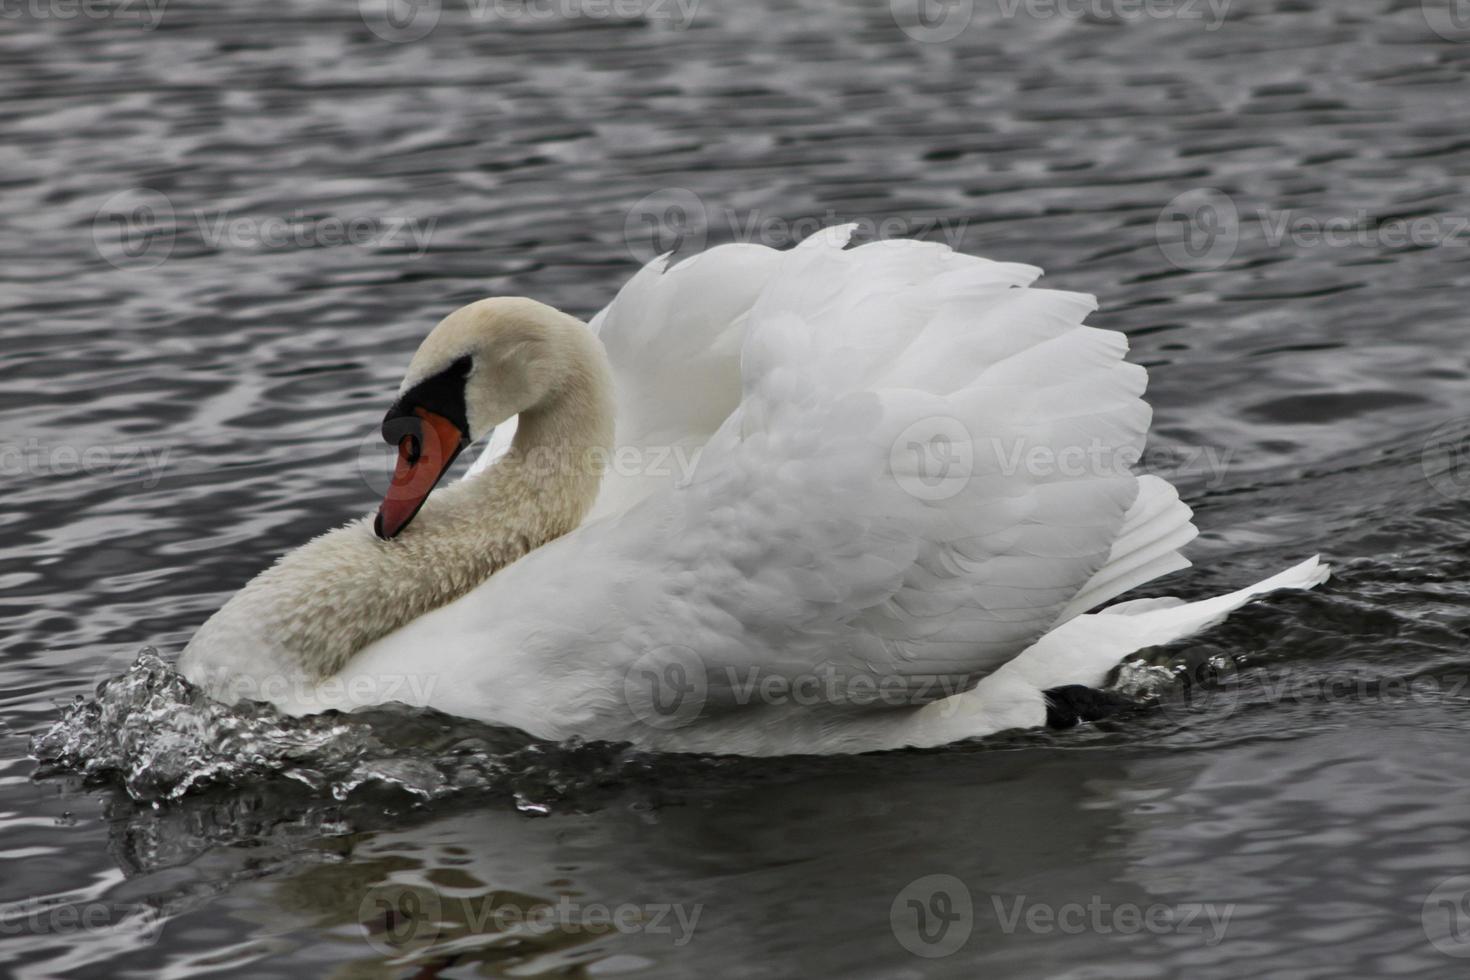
(861, 498)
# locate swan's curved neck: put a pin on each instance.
(321, 604)
(537, 491)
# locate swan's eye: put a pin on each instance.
(406, 432)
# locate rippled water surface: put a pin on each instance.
(182, 399)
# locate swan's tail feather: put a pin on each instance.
(1167, 625)
(1084, 649)
(1155, 528)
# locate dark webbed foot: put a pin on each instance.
(1069, 706)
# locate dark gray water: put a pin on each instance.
(224, 235)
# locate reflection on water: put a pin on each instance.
(227, 233)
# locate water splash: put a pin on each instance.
(162, 738)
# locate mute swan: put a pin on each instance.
(903, 480)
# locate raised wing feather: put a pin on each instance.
(902, 517)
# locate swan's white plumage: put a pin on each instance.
(1147, 547)
(796, 524)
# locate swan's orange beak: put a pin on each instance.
(427, 444)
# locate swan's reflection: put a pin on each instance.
(692, 862)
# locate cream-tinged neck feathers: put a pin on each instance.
(319, 605)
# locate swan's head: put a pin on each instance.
(481, 365)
